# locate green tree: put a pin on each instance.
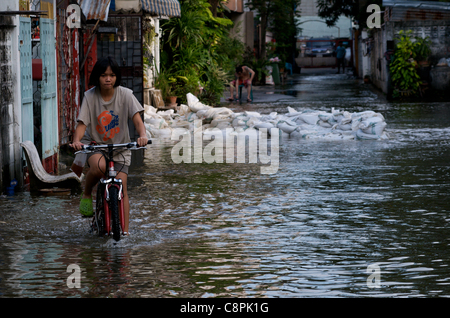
(263, 8)
(284, 28)
(331, 10)
(277, 16)
(196, 50)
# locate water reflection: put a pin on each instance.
(311, 230)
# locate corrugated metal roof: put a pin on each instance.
(170, 8)
(425, 5)
(416, 10)
(95, 9)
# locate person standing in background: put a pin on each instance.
(340, 57)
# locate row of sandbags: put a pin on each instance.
(306, 124)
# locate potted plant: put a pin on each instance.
(172, 92)
(176, 84)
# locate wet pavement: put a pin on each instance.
(339, 219)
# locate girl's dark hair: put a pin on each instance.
(100, 67)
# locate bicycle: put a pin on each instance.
(109, 218)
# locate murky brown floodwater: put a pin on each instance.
(211, 230)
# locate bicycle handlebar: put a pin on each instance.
(131, 146)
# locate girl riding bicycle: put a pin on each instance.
(103, 118)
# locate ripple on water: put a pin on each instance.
(310, 230)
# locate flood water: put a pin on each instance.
(333, 210)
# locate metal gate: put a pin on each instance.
(26, 83)
(125, 46)
(49, 111)
(48, 127)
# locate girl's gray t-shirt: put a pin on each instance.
(107, 122)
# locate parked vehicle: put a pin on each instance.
(319, 47)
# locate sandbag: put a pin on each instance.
(266, 125)
(372, 125)
(286, 127)
(304, 124)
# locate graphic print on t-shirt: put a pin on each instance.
(108, 124)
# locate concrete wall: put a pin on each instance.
(10, 102)
(244, 27)
(377, 66)
(439, 33)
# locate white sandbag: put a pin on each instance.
(344, 126)
(157, 123)
(198, 106)
(358, 118)
(178, 131)
(286, 127)
(339, 116)
(360, 135)
(252, 114)
(252, 121)
(271, 116)
(240, 122)
(373, 125)
(179, 123)
(310, 119)
(305, 124)
(296, 133)
(261, 124)
(327, 118)
(168, 115)
(224, 125)
(201, 114)
(191, 117)
(164, 133)
(183, 110)
(191, 99)
(217, 122)
(325, 124)
(292, 112)
(216, 112)
(364, 115)
(148, 109)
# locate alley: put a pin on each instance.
(332, 212)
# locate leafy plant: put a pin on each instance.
(422, 48)
(175, 84)
(162, 83)
(197, 46)
(405, 79)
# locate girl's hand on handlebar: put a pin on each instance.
(142, 141)
(76, 145)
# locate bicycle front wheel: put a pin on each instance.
(114, 210)
(99, 217)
